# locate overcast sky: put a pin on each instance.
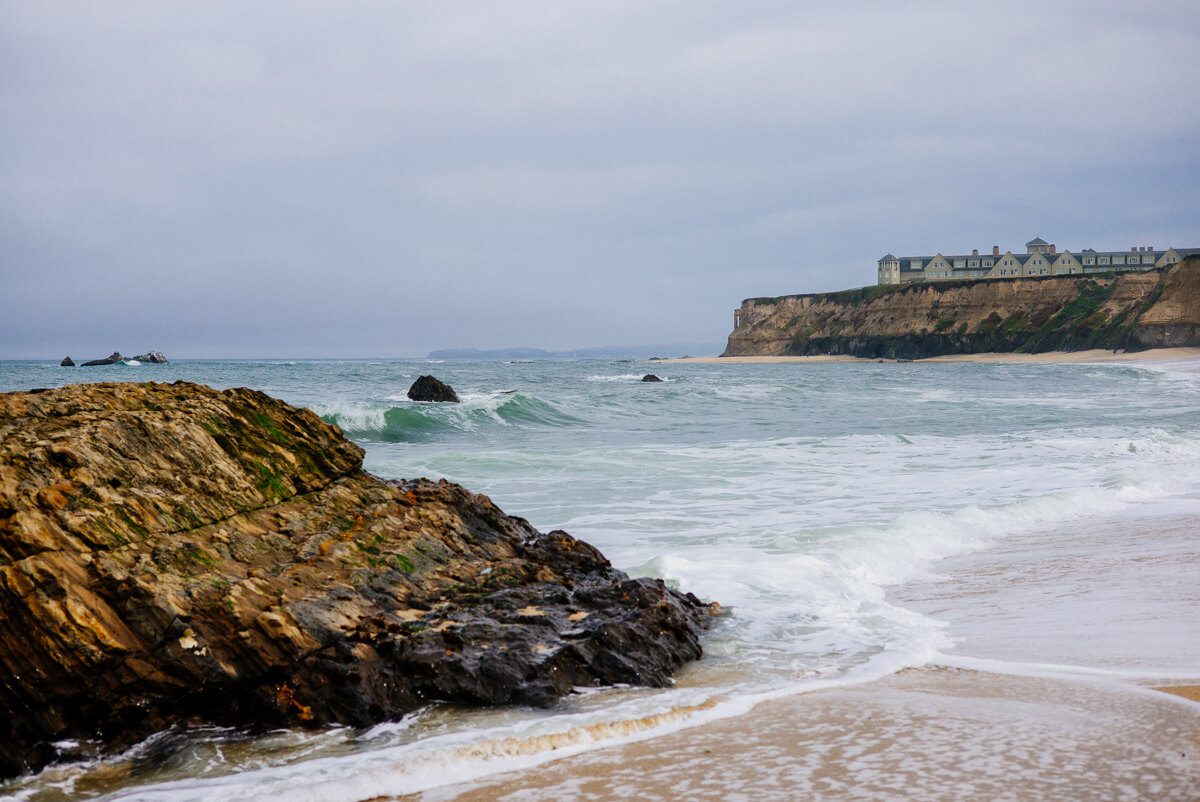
(381, 179)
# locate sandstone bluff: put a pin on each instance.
(1133, 311)
(173, 554)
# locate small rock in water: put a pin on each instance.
(429, 388)
(155, 357)
(109, 360)
(650, 377)
(67, 362)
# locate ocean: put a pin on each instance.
(857, 519)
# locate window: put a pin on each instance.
(1089, 260)
(988, 262)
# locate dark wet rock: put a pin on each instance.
(113, 359)
(650, 377)
(67, 362)
(171, 554)
(429, 388)
(153, 357)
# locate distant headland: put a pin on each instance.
(599, 352)
(1131, 310)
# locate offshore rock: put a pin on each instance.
(429, 388)
(173, 554)
(153, 357)
(112, 359)
(67, 362)
(1132, 311)
(650, 377)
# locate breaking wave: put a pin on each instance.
(410, 421)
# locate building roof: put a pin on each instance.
(888, 258)
(1036, 241)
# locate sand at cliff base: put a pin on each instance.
(1095, 355)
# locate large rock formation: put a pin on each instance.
(431, 388)
(170, 553)
(152, 357)
(1133, 311)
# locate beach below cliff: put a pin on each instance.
(1094, 355)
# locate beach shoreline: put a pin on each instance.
(930, 733)
(1055, 357)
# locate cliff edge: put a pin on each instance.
(173, 554)
(1132, 311)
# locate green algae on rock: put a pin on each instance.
(173, 554)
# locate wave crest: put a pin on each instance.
(411, 421)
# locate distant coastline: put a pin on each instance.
(598, 352)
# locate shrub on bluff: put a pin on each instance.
(171, 553)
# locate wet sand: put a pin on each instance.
(1095, 355)
(1186, 691)
(932, 734)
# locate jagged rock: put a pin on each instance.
(67, 362)
(650, 377)
(113, 359)
(153, 357)
(173, 554)
(429, 388)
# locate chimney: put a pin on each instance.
(1053, 249)
(995, 250)
(1133, 250)
(974, 251)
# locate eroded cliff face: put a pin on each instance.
(171, 553)
(1134, 311)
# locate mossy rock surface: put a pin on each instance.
(174, 553)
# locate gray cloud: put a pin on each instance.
(383, 179)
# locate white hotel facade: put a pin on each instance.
(1041, 258)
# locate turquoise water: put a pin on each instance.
(815, 500)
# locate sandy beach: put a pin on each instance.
(1095, 355)
(929, 734)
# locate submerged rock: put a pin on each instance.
(430, 388)
(67, 362)
(112, 359)
(173, 554)
(650, 377)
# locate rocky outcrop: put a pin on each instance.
(430, 388)
(171, 553)
(650, 377)
(152, 357)
(112, 359)
(67, 362)
(1132, 311)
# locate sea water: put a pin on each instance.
(856, 519)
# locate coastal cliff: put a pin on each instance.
(1133, 311)
(171, 554)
